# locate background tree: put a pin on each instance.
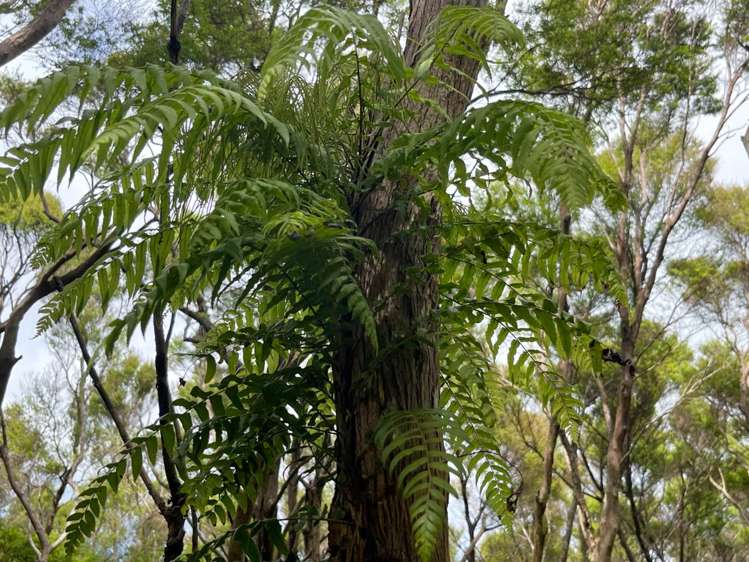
(43, 18)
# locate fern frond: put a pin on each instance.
(470, 387)
(340, 30)
(467, 31)
(519, 138)
(411, 447)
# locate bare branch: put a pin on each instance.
(24, 39)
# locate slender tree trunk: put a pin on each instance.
(312, 530)
(177, 15)
(568, 529)
(173, 513)
(625, 545)
(469, 554)
(8, 358)
(586, 532)
(540, 527)
(112, 410)
(616, 450)
(292, 499)
(744, 390)
(275, 6)
(44, 22)
(369, 520)
(637, 519)
(264, 507)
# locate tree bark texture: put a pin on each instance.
(369, 519)
(39, 27)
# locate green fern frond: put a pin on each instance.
(467, 31)
(337, 28)
(100, 85)
(470, 388)
(412, 450)
(521, 139)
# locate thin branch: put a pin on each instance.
(112, 410)
(18, 491)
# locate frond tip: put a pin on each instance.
(413, 452)
(412, 448)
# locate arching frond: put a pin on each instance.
(339, 31)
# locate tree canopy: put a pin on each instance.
(378, 258)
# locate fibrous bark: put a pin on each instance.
(369, 519)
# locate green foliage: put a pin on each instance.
(726, 210)
(587, 54)
(699, 279)
(245, 535)
(219, 36)
(16, 547)
(30, 215)
(205, 188)
(523, 140)
(412, 450)
(341, 30)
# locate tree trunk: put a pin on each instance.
(369, 519)
(175, 519)
(584, 519)
(638, 521)
(568, 529)
(744, 390)
(8, 358)
(264, 508)
(616, 451)
(312, 530)
(540, 527)
(25, 38)
(292, 499)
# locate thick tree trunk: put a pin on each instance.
(44, 22)
(369, 520)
